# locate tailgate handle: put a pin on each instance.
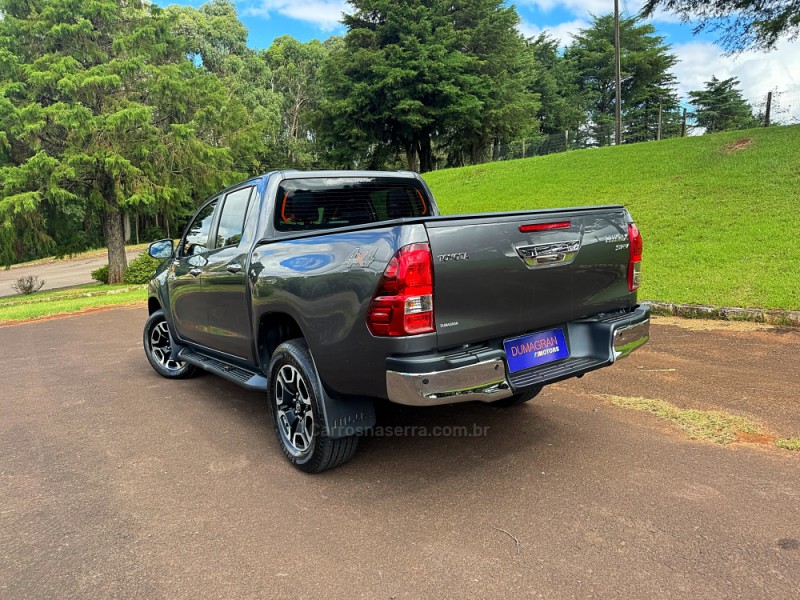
(541, 255)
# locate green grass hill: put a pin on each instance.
(720, 214)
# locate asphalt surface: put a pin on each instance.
(57, 273)
(115, 482)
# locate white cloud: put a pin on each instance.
(325, 14)
(758, 72)
(562, 31)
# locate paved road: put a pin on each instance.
(117, 483)
(58, 273)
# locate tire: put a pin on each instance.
(295, 406)
(520, 398)
(157, 347)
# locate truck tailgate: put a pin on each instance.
(499, 275)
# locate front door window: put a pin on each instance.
(196, 240)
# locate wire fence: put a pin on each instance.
(777, 107)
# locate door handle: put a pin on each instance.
(234, 268)
(195, 272)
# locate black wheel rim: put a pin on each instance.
(293, 411)
(161, 348)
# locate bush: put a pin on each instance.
(27, 284)
(141, 269)
(101, 274)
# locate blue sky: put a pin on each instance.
(700, 57)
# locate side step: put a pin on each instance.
(244, 377)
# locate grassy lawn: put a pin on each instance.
(68, 300)
(719, 224)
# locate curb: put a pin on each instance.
(790, 318)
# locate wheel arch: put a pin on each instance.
(274, 328)
(153, 305)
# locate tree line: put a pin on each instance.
(118, 117)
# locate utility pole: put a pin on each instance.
(660, 105)
(617, 79)
(769, 109)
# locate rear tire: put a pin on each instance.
(520, 398)
(158, 349)
(295, 402)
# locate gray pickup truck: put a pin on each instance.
(330, 290)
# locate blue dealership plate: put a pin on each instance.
(535, 349)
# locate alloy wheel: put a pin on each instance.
(161, 347)
(294, 412)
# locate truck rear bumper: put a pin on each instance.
(594, 343)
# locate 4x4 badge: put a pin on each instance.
(361, 258)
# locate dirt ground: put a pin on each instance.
(116, 482)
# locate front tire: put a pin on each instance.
(295, 401)
(158, 349)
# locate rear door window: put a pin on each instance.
(328, 203)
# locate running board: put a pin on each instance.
(244, 377)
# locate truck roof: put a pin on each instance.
(297, 174)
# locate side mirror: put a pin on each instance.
(161, 249)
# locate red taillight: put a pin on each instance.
(635, 257)
(403, 302)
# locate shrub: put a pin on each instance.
(141, 269)
(101, 274)
(27, 284)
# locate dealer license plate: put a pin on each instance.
(535, 349)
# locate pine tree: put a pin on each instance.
(720, 106)
(103, 113)
(646, 77)
(411, 74)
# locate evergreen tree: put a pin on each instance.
(500, 77)
(413, 73)
(103, 113)
(720, 106)
(646, 78)
(555, 79)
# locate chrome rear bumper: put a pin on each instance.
(628, 339)
(594, 343)
(484, 382)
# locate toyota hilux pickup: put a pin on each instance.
(332, 290)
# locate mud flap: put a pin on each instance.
(349, 416)
(346, 416)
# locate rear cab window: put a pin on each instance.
(331, 202)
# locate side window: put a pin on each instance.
(231, 222)
(196, 240)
